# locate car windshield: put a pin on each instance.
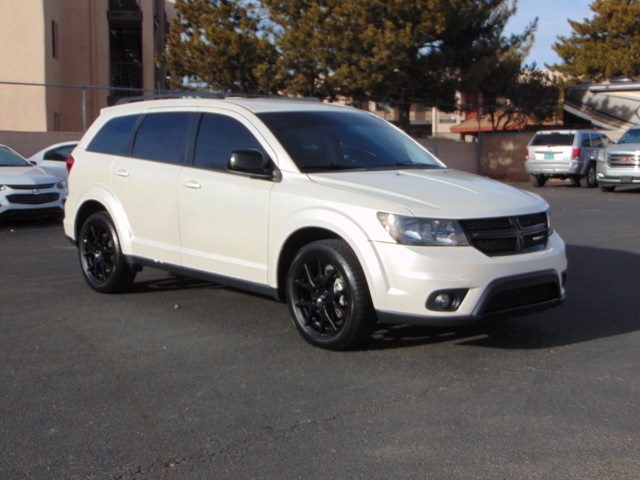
(345, 140)
(553, 138)
(630, 136)
(9, 158)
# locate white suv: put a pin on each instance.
(327, 207)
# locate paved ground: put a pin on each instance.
(181, 379)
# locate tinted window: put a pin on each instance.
(585, 142)
(553, 138)
(218, 136)
(114, 136)
(59, 154)
(630, 136)
(162, 136)
(598, 140)
(345, 139)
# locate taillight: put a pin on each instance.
(70, 161)
(575, 153)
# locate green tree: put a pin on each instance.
(605, 46)
(533, 94)
(220, 43)
(393, 50)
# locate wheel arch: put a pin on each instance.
(102, 200)
(292, 245)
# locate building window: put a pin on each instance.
(55, 53)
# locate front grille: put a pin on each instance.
(44, 186)
(508, 235)
(33, 199)
(623, 160)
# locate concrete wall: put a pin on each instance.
(28, 143)
(502, 155)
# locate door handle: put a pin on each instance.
(192, 184)
(122, 173)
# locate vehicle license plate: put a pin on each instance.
(626, 179)
(548, 156)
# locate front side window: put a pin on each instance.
(345, 140)
(218, 136)
(114, 137)
(162, 136)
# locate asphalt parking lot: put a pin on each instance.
(184, 379)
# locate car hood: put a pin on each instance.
(442, 193)
(623, 147)
(25, 176)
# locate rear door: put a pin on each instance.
(146, 184)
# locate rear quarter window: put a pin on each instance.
(563, 139)
(114, 137)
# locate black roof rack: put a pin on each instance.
(217, 95)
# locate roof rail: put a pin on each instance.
(217, 95)
(169, 94)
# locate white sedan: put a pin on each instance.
(53, 158)
(27, 190)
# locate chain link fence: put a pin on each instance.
(33, 116)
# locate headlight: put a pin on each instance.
(61, 185)
(423, 231)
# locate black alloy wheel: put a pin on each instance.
(328, 296)
(103, 265)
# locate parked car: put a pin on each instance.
(619, 164)
(564, 154)
(330, 208)
(27, 190)
(52, 159)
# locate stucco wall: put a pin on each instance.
(502, 155)
(28, 143)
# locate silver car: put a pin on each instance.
(619, 164)
(564, 154)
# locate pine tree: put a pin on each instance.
(605, 46)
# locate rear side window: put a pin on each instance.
(218, 136)
(555, 138)
(162, 136)
(114, 136)
(58, 154)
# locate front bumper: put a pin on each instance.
(492, 286)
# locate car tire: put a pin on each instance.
(103, 265)
(538, 180)
(328, 296)
(606, 188)
(589, 180)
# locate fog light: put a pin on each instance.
(446, 300)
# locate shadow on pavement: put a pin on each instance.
(603, 300)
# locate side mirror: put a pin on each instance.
(252, 163)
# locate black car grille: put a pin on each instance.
(33, 199)
(523, 297)
(44, 186)
(508, 235)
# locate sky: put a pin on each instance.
(552, 22)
